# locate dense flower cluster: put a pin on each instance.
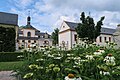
(84, 62)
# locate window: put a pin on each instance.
(34, 41)
(109, 39)
(63, 26)
(29, 34)
(29, 41)
(46, 42)
(100, 39)
(105, 39)
(23, 40)
(75, 37)
(18, 41)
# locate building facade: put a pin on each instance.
(116, 36)
(68, 35)
(28, 35)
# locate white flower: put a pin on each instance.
(70, 54)
(77, 58)
(57, 57)
(102, 51)
(50, 55)
(104, 73)
(97, 53)
(40, 59)
(79, 78)
(110, 60)
(67, 78)
(20, 56)
(90, 57)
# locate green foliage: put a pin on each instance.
(55, 36)
(7, 39)
(87, 30)
(10, 56)
(83, 61)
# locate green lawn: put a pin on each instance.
(6, 66)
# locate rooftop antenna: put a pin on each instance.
(29, 13)
(89, 13)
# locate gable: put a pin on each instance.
(64, 27)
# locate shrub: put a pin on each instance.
(10, 56)
(7, 39)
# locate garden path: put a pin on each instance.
(7, 75)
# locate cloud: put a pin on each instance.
(49, 14)
(21, 4)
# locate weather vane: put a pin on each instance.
(89, 13)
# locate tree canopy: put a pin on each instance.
(87, 30)
(55, 36)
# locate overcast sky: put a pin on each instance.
(48, 14)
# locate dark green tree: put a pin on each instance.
(7, 39)
(55, 36)
(87, 30)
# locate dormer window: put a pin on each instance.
(63, 26)
(29, 34)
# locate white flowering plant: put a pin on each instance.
(84, 62)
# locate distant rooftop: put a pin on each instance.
(104, 30)
(8, 18)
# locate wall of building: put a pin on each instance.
(65, 38)
(42, 42)
(103, 41)
(25, 31)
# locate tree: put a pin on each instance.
(55, 36)
(87, 30)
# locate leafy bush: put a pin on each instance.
(86, 62)
(7, 39)
(10, 56)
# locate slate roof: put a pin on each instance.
(8, 18)
(28, 26)
(107, 30)
(72, 26)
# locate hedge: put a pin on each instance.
(10, 56)
(7, 39)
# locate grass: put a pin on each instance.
(7, 66)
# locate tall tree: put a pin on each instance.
(55, 36)
(87, 30)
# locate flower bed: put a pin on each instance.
(80, 63)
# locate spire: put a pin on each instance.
(28, 18)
